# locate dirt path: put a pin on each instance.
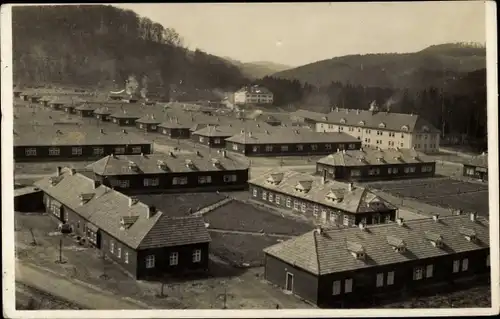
(69, 290)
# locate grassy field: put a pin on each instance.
(239, 216)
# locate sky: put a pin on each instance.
(300, 33)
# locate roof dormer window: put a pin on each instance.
(362, 123)
(468, 233)
(335, 196)
(303, 186)
(397, 244)
(356, 250)
(381, 125)
(275, 178)
(435, 239)
(342, 120)
(425, 128)
(404, 128)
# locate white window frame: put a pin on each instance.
(303, 207)
(54, 151)
(284, 148)
(429, 271)
(315, 210)
(230, 178)
(217, 141)
(201, 139)
(179, 180)
(418, 273)
(333, 217)
(264, 195)
(30, 151)
(137, 150)
(235, 147)
(465, 264)
(119, 150)
(300, 147)
(288, 202)
(270, 197)
(119, 252)
(76, 151)
(336, 288)
(254, 192)
(125, 183)
(456, 266)
(255, 149)
(173, 259)
(126, 257)
(314, 147)
(269, 148)
(355, 172)
(205, 179)
(150, 261)
(151, 182)
(380, 280)
(296, 205)
(277, 199)
(112, 246)
(98, 150)
(345, 220)
(328, 146)
(197, 256)
(348, 286)
(390, 278)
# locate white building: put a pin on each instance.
(253, 95)
(377, 128)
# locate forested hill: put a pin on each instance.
(101, 45)
(432, 66)
(257, 70)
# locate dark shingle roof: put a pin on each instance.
(150, 164)
(372, 156)
(107, 208)
(368, 119)
(234, 127)
(179, 205)
(74, 135)
(85, 107)
(289, 135)
(358, 200)
(124, 114)
(327, 252)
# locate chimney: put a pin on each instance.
(357, 112)
(124, 131)
(343, 151)
(198, 153)
(102, 131)
(400, 221)
(58, 171)
(473, 216)
(132, 201)
(72, 171)
(350, 187)
(151, 211)
(435, 217)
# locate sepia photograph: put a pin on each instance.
(250, 159)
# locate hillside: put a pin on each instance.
(257, 70)
(103, 46)
(431, 66)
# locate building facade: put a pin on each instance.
(253, 95)
(170, 173)
(371, 164)
(140, 239)
(52, 144)
(325, 202)
(378, 129)
(123, 118)
(477, 167)
(367, 266)
(148, 123)
(286, 141)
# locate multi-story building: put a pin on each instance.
(50, 143)
(365, 266)
(372, 164)
(254, 94)
(477, 167)
(180, 172)
(142, 240)
(327, 202)
(377, 129)
(289, 141)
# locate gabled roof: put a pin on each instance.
(149, 119)
(372, 156)
(479, 161)
(358, 200)
(290, 135)
(327, 252)
(107, 208)
(372, 120)
(124, 114)
(161, 164)
(74, 135)
(85, 107)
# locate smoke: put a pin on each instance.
(144, 90)
(392, 103)
(373, 106)
(131, 85)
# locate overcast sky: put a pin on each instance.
(301, 33)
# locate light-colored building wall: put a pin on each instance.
(244, 97)
(425, 142)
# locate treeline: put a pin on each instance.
(103, 45)
(457, 107)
